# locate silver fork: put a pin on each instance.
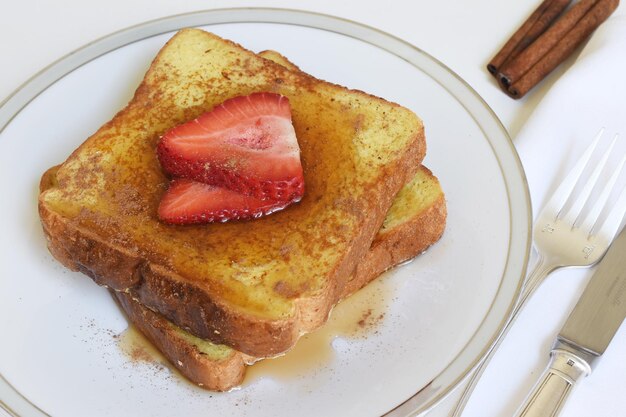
(565, 238)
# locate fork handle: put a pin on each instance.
(553, 388)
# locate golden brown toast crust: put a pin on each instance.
(203, 306)
(181, 302)
(214, 375)
(405, 242)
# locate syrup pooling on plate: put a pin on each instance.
(137, 348)
(356, 317)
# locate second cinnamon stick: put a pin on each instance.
(538, 22)
(517, 67)
(564, 47)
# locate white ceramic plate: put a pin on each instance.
(58, 354)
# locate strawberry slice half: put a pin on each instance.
(246, 144)
(192, 202)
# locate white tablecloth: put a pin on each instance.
(462, 34)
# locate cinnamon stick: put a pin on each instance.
(517, 67)
(531, 29)
(555, 45)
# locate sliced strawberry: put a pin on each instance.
(247, 144)
(189, 202)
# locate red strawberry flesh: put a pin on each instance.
(246, 144)
(192, 202)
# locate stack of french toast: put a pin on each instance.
(220, 276)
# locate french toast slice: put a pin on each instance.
(255, 286)
(415, 221)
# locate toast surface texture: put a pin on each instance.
(257, 285)
(418, 216)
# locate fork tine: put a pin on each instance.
(574, 212)
(594, 214)
(562, 193)
(612, 223)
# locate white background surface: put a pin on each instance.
(461, 33)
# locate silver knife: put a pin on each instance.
(585, 335)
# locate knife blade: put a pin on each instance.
(602, 307)
(585, 336)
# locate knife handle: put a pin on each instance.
(549, 394)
